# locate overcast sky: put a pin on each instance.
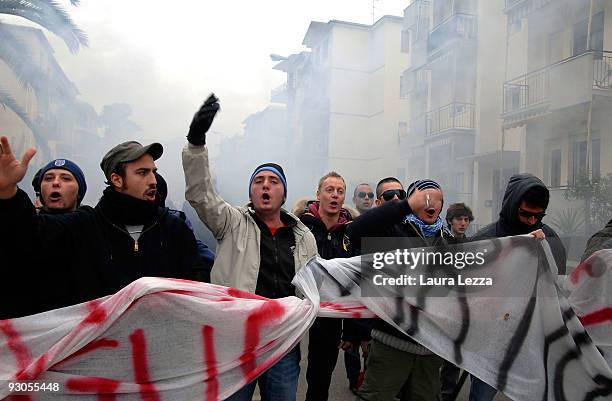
(164, 58)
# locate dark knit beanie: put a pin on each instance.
(421, 185)
(65, 164)
(273, 167)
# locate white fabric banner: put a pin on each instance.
(166, 339)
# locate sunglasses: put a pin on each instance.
(364, 194)
(391, 193)
(526, 214)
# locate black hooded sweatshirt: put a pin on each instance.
(509, 223)
(600, 240)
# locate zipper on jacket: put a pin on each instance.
(136, 246)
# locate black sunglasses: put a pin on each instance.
(391, 193)
(526, 214)
(364, 194)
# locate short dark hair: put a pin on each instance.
(119, 170)
(358, 185)
(384, 181)
(457, 210)
(537, 196)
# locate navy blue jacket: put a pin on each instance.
(61, 260)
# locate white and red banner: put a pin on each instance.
(165, 339)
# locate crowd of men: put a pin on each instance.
(71, 253)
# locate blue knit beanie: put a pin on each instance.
(67, 165)
(421, 185)
(273, 167)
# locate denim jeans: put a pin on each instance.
(352, 363)
(481, 391)
(279, 383)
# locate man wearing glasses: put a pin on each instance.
(523, 208)
(395, 360)
(363, 197)
(389, 189)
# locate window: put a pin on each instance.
(442, 10)
(579, 151)
(555, 47)
(597, 34)
(555, 168)
(579, 159)
(595, 159)
(402, 129)
(457, 183)
(580, 37)
(405, 41)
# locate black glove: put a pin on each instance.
(202, 120)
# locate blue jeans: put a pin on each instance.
(481, 391)
(352, 363)
(279, 383)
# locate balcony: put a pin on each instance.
(416, 17)
(567, 83)
(457, 26)
(280, 94)
(414, 80)
(450, 118)
(517, 9)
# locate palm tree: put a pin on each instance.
(17, 56)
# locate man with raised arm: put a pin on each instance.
(69, 258)
(260, 245)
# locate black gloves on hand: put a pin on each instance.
(202, 121)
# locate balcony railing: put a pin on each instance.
(517, 9)
(561, 82)
(602, 71)
(450, 117)
(416, 13)
(457, 26)
(512, 3)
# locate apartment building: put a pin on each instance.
(557, 95)
(453, 85)
(343, 102)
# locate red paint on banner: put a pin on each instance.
(600, 316)
(266, 314)
(16, 345)
(141, 366)
(92, 346)
(236, 293)
(179, 292)
(39, 367)
(210, 361)
(355, 311)
(585, 267)
(96, 315)
(104, 388)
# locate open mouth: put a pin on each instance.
(430, 212)
(333, 204)
(55, 196)
(151, 193)
(266, 197)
